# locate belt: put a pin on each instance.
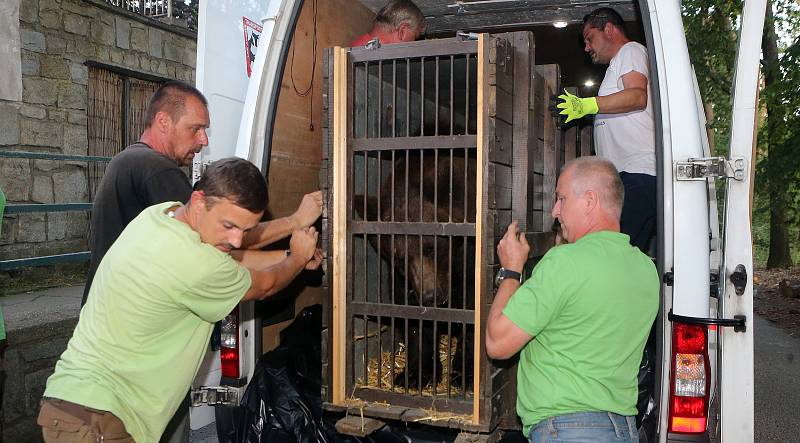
(78, 411)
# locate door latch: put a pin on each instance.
(739, 279)
(711, 167)
(214, 395)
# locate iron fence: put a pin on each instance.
(21, 208)
(147, 8)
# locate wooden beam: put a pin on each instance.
(482, 18)
(480, 205)
(339, 221)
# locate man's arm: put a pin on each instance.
(258, 260)
(503, 337)
(632, 98)
(271, 231)
(271, 278)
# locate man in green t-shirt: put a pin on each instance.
(581, 320)
(157, 293)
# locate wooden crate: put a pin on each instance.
(479, 110)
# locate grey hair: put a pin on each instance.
(598, 174)
(396, 12)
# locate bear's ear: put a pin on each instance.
(370, 213)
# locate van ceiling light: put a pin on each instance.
(588, 83)
(560, 24)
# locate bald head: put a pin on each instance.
(599, 175)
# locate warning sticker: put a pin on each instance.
(252, 32)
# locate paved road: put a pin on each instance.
(207, 434)
(777, 380)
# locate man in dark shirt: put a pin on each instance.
(148, 171)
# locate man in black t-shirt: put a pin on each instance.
(148, 171)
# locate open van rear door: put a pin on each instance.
(736, 301)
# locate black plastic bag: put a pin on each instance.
(282, 403)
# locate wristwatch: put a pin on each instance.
(504, 273)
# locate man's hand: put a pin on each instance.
(303, 243)
(513, 249)
(315, 261)
(309, 210)
(575, 107)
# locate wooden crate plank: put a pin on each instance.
(484, 44)
(522, 138)
(499, 186)
(358, 426)
(549, 74)
(504, 63)
(586, 139)
(339, 246)
(501, 143)
(501, 105)
(570, 135)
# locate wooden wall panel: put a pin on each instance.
(551, 139)
(297, 141)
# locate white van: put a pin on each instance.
(267, 109)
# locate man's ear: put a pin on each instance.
(198, 200)
(592, 200)
(608, 29)
(403, 32)
(162, 121)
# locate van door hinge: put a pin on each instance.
(214, 395)
(711, 167)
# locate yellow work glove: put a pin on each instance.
(575, 107)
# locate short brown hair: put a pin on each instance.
(237, 180)
(394, 13)
(171, 98)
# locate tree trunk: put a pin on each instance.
(779, 252)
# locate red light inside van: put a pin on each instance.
(229, 344)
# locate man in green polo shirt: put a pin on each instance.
(581, 320)
(155, 298)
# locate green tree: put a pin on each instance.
(711, 35)
(779, 167)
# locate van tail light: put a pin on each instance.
(690, 379)
(229, 344)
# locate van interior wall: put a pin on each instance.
(297, 138)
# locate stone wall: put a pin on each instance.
(56, 40)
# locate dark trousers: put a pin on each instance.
(177, 430)
(639, 210)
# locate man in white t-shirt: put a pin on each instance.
(623, 128)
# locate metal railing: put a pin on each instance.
(22, 208)
(147, 8)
